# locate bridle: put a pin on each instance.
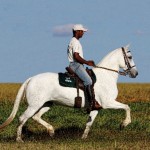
(125, 72)
(127, 61)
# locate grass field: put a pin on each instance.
(69, 124)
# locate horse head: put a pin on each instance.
(128, 64)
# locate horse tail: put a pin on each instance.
(16, 104)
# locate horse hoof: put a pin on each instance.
(84, 137)
(51, 133)
(121, 126)
(19, 140)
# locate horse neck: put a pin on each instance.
(111, 60)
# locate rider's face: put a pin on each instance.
(80, 33)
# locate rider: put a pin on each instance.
(76, 59)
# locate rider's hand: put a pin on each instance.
(91, 63)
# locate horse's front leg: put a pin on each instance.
(89, 123)
(117, 105)
(127, 119)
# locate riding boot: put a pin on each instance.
(89, 94)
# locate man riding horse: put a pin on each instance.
(76, 59)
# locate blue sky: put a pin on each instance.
(34, 34)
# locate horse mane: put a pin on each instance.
(108, 56)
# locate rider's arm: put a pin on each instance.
(79, 59)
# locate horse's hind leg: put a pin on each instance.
(23, 118)
(38, 118)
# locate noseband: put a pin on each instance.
(125, 72)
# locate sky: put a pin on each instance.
(34, 34)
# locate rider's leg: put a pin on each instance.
(89, 91)
(93, 104)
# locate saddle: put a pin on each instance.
(70, 79)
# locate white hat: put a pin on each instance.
(79, 27)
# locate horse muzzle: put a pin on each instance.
(133, 72)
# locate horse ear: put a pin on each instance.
(127, 46)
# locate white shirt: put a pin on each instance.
(74, 46)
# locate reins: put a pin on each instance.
(123, 73)
(119, 72)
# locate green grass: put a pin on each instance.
(69, 124)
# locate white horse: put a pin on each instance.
(45, 87)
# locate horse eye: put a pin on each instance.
(130, 57)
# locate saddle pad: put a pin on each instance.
(67, 81)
